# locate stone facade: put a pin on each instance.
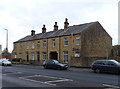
(76, 45)
(116, 52)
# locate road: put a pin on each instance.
(37, 76)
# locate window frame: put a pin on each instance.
(53, 42)
(38, 44)
(65, 55)
(33, 45)
(44, 43)
(65, 41)
(77, 40)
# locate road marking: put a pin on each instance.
(59, 80)
(46, 82)
(111, 86)
(11, 73)
(37, 81)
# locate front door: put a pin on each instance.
(38, 56)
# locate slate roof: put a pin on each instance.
(75, 29)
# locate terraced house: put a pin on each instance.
(77, 45)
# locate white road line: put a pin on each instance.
(13, 73)
(47, 76)
(46, 82)
(38, 81)
(111, 86)
(59, 80)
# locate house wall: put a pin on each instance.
(59, 48)
(96, 42)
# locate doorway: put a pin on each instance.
(54, 55)
(38, 56)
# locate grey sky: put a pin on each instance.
(20, 16)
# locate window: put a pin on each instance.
(20, 55)
(77, 54)
(53, 43)
(15, 56)
(77, 40)
(44, 56)
(33, 45)
(38, 44)
(33, 56)
(20, 45)
(44, 44)
(65, 53)
(27, 45)
(65, 41)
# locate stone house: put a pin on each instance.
(77, 45)
(116, 52)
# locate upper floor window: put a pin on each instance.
(44, 44)
(65, 41)
(33, 45)
(38, 44)
(27, 45)
(20, 45)
(53, 43)
(77, 40)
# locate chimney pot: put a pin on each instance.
(66, 24)
(43, 29)
(55, 26)
(32, 32)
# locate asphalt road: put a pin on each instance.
(37, 76)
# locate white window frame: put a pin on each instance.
(77, 40)
(38, 44)
(44, 55)
(33, 45)
(32, 56)
(53, 42)
(44, 43)
(65, 54)
(77, 54)
(65, 41)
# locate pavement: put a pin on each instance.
(77, 69)
(80, 69)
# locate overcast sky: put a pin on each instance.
(21, 16)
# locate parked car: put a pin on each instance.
(111, 66)
(54, 64)
(5, 62)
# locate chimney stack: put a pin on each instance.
(66, 24)
(32, 32)
(43, 29)
(55, 26)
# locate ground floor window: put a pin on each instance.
(44, 55)
(77, 54)
(65, 53)
(33, 56)
(15, 56)
(20, 55)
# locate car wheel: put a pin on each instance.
(97, 70)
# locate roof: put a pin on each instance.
(75, 29)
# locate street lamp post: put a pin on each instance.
(6, 40)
